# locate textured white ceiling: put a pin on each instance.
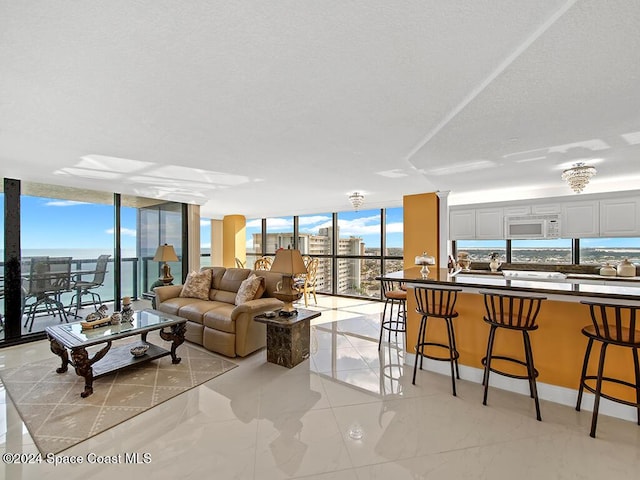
(271, 108)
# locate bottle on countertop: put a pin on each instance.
(608, 271)
(626, 268)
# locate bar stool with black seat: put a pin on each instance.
(612, 324)
(393, 294)
(433, 302)
(517, 312)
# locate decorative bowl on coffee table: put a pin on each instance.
(139, 350)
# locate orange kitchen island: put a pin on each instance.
(558, 344)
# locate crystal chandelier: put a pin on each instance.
(578, 176)
(356, 199)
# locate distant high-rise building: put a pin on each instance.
(349, 269)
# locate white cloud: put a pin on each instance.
(312, 220)
(360, 226)
(64, 203)
(396, 227)
(279, 223)
(205, 222)
(256, 223)
(127, 232)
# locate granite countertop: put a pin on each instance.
(625, 288)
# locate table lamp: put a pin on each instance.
(424, 260)
(288, 263)
(165, 253)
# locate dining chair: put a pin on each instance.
(86, 287)
(307, 284)
(263, 263)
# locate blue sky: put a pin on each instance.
(55, 223)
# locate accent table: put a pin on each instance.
(71, 336)
(288, 338)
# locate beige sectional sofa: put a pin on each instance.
(217, 323)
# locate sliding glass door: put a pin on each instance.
(70, 258)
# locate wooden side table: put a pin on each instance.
(288, 337)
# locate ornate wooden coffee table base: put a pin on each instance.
(108, 360)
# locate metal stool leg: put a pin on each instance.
(419, 347)
(596, 402)
(452, 355)
(531, 372)
(637, 367)
(585, 364)
(487, 365)
(455, 346)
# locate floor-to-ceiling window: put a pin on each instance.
(253, 232)
(350, 251)
(158, 224)
(205, 242)
(315, 235)
(64, 233)
(68, 253)
(2, 312)
(359, 253)
(394, 239)
(279, 234)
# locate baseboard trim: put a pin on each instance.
(552, 393)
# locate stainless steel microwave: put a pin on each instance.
(529, 227)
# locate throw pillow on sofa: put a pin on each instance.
(197, 285)
(248, 289)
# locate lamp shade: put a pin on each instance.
(165, 253)
(288, 262)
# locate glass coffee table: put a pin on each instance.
(72, 337)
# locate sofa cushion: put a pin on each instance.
(248, 289)
(195, 310)
(232, 279)
(216, 275)
(173, 305)
(197, 285)
(219, 318)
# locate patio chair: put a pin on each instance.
(48, 279)
(86, 287)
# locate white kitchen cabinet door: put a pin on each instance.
(580, 219)
(516, 211)
(620, 217)
(462, 224)
(489, 223)
(546, 208)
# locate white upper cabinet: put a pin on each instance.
(475, 224)
(462, 224)
(615, 215)
(620, 217)
(546, 208)
(489, 223)
(580, 219)
(517, 210)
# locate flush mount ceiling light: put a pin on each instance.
(578, 176)
(356, 199)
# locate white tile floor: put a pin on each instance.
(346, 413)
